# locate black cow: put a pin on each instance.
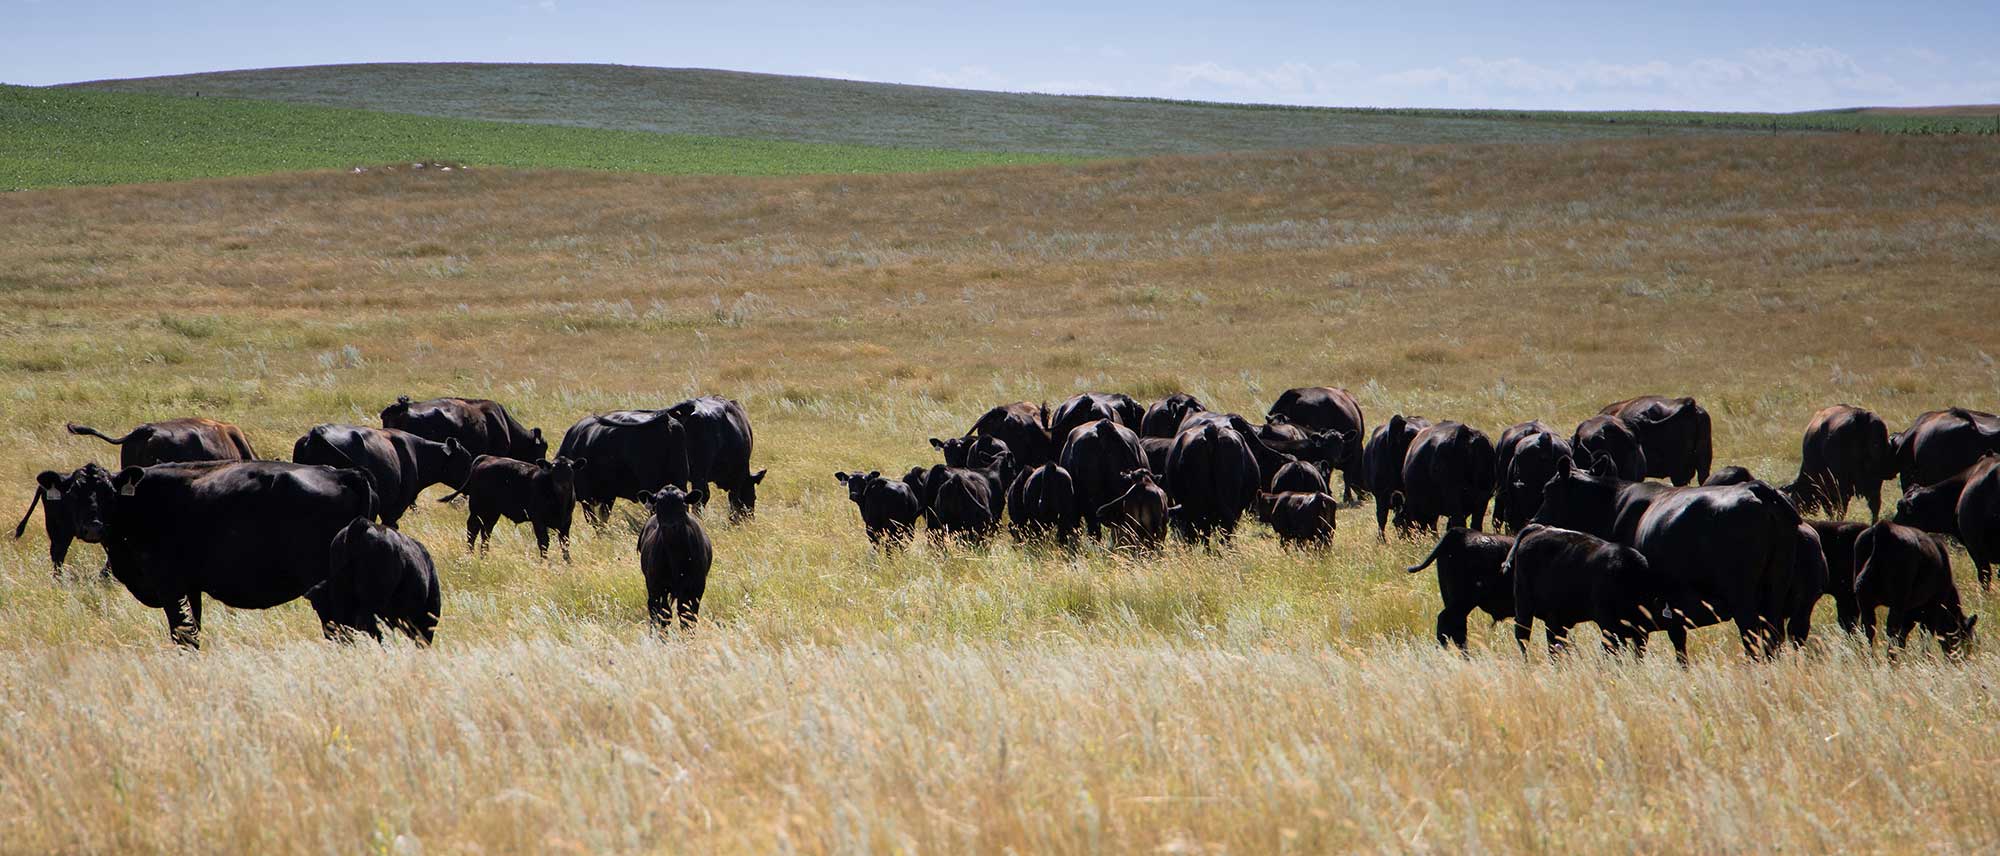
(1097, 457)
(889, 509)
(251, 534)
(1328, 408)
(1910, 573)
(175, 441)
(1213, 477)
(400, 463)
(1732, 553)
(1525, 459)
(1301, 518)
(674, 555)
(483, 427)
(1299, 477)
(1447, 472)
(1092, 406)
(631, 451)
(1041, 502)
(1597, 501)
(1836, 541)
(978, 453)
(1934, 507)
(1811, 572)
(1610, 437)
(961, 501)
(1472, 574)
(541, 494)
(1732, 475)
(1156, 450)
(377, 576)
(1942, 443)
(69, 513)
(719, 443)
(1382, 463)
(1138, 517)
(1564, 577)
(1979, 517)
(1676, 434)
(1163, 419)
(1023, 427)
(1845, 454)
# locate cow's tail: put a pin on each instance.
(87, 431)
(1436, 551)
(23, 525)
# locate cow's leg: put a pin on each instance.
(59, 550)
(1800, 626)
(1867, 615)
(1899, 624)
(1479, 517)
(1524, 626)
(1872, 492)
(1453, 627)
(541, 537)
(1678, 635)
(1845, 612)
(562, 537)
(471, 532)
(184, 621)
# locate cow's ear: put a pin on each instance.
(402, 401)
(50, 483)
(1604, 466)
(936, 443)
(841, 476)
(535, 433)
(127, 481)
(452, 446)
(874, 474)
(578, 463)
(644, 497)
(758, 477)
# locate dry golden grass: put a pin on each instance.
(838, 700)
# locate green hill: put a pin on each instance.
(55, 137)
(818, 110)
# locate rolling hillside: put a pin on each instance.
(818, 110)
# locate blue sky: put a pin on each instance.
(1765, 56)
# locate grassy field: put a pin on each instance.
(819, 110)
(987, 699)
(59, 137)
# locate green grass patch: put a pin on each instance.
(57, 137)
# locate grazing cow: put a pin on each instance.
(1472, 574)
(1732, 553)
(1213, 476)
(1300, 518)
(1092, 406)
(961, 501)
(483, 427)
(1163, 419)
(541, 494)
(1979, 517)
(1811, 572)
(1934, 507)
(1327, 408)
(632, 451)
(1524, 460)
(1564, 577)
(1138, 517)
(1942, 443)
(376, 576)
(1675, 432)
(1836, 541)
(719, 443)
(1610, 437)
(1299, 477)
(1023, 427)
(175, 441)
(1041, 502)
(1097, 456)
(1597, 501)
(889, 509)
(1156, 450)
(251, 534)
(68, 512)
(1910, 573)
(1845, 454)
(1382, 463)
(400, 463)
(674, 555)
(1732, 475)
(1447, 472)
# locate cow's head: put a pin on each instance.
(668, 503)
(560, 476)
(534, 448)
(396, 414)
(457, 462)
(857, 484)
(82, 500)
(1953, 629)
(956, 450)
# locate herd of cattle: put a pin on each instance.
(193, 511)
(1593, 540)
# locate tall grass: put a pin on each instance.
(839, 700)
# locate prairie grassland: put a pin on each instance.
(995, 698)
